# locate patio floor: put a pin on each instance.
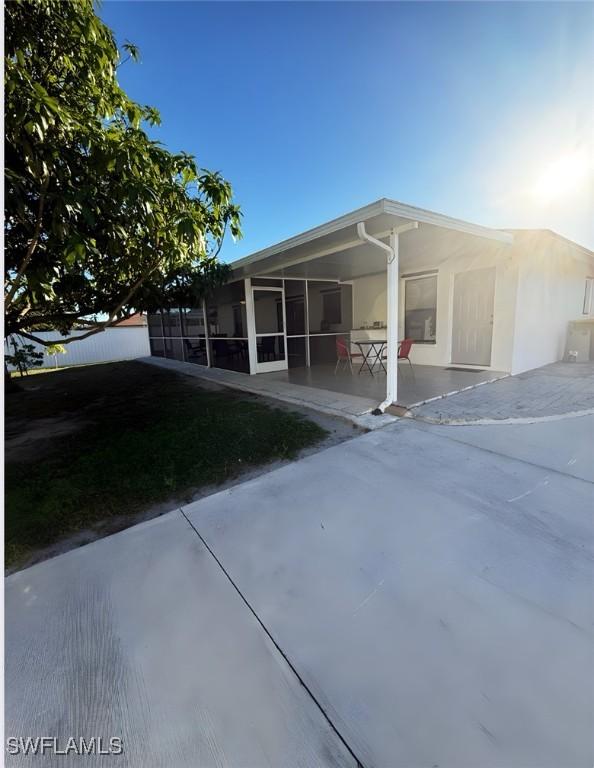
(425, 382)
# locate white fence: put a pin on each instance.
(112, 344)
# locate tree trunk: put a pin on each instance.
(10, 384)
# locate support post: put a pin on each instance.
(306, 329)
(392, 279)
(393, 296)
(251, 325)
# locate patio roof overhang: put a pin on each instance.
(334, 250)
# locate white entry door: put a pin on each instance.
(472, 330)
(269, 321)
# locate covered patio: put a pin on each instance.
(378, 275)
(417, 386)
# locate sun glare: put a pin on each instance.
(562, 177)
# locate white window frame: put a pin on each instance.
(420, 276)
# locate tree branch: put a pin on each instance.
(30, 250)
(220, 245)
(111, 320)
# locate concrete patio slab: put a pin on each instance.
(435, 597)
(141, 636)
(421, 384)
(554, 390)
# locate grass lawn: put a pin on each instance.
(88, 444)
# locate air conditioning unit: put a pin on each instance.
(580, 341)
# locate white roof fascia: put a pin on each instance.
(362, 214)
(326, 252)
(373, 209)
(439, 220)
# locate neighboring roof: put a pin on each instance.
(138, 319)
(383, 208)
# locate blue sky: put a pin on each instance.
(482, 111)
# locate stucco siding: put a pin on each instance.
(539, 289)
(369, 300)
(370, 304)
(552, 279)
(499, 257)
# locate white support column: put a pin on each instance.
(393, 279)
(307, 351)
(251, 325)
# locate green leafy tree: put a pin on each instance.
(98, 217)
(185, 287)
(53, 350)
(23, 357)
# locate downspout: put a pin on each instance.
(391, 255)
(393, 279)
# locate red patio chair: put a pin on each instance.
(404, 351)
(404, 348)
(344, 354)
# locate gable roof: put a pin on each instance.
(382, 215)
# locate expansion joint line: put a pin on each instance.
(358, 762)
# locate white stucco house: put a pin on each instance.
(470, 297)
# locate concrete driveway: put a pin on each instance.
(430, 586)
(140, 636)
